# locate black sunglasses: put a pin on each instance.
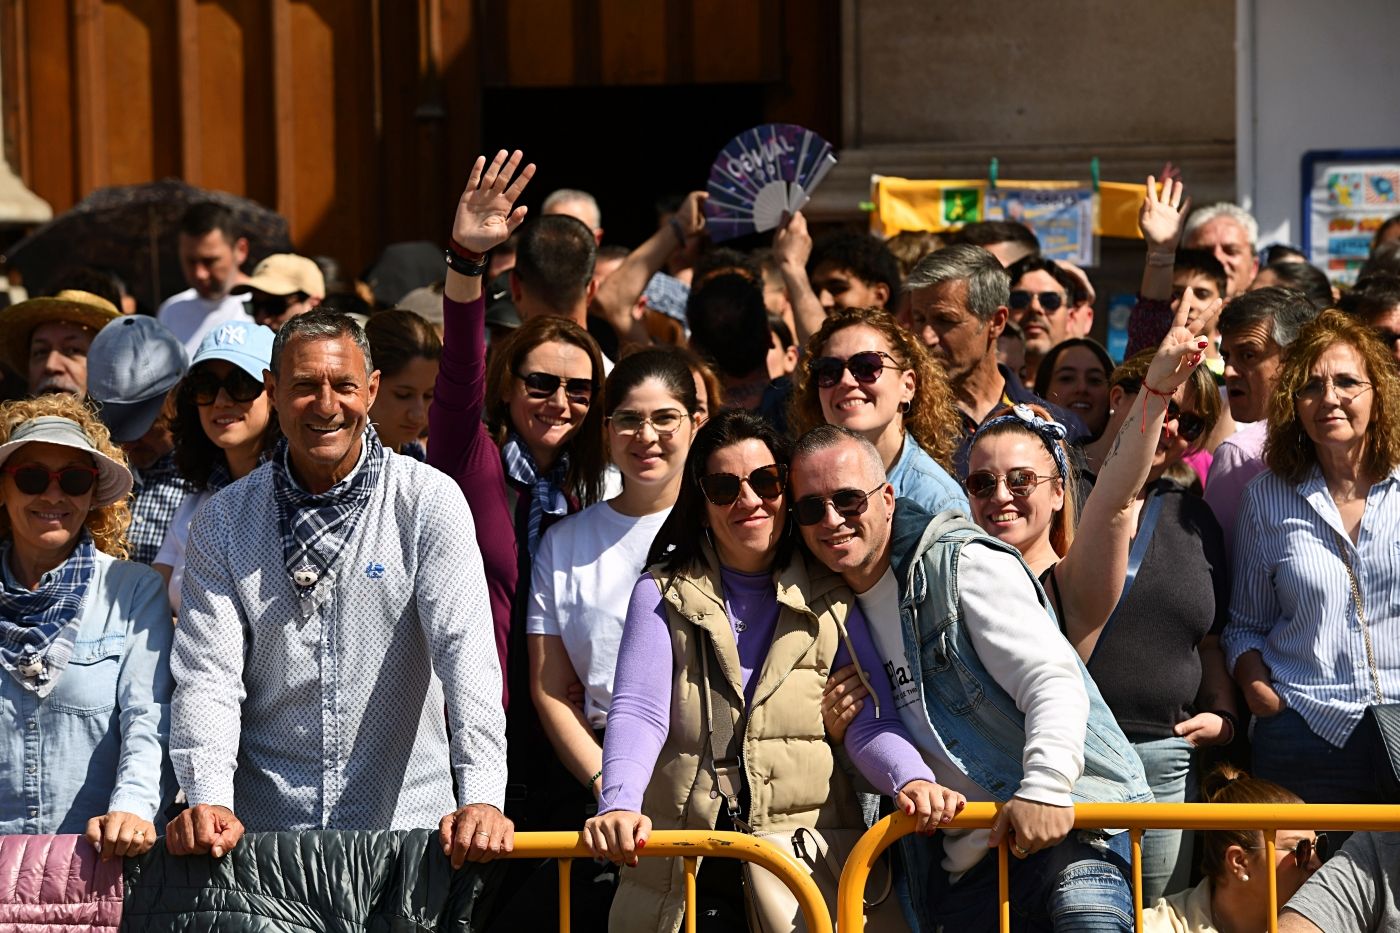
(1188, 424)
(1303, 850)
(271, 306)
(1020, 482)
(1050, 302)
(848, 503)
(204, 386)
(865, 367)
(544, 385)
(723, 488)
(34, 480)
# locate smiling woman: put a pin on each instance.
(406, 351)
(84, 637)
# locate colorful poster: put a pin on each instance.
(1348, 201)
(1062, 218)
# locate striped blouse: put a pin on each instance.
(1292, 600)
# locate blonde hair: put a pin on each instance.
(1066, 519)
(107, 525)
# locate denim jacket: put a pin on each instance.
(917, 476)
(97, 742)
(978, 720)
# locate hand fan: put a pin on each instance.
(762, 177)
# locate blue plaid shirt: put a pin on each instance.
(157, 492)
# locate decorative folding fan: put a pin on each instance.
(762, 177)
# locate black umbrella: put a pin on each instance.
(132, 230)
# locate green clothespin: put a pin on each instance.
(992, 170)
(867, 206)
(1094, 173)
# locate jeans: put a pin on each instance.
(1170, 764)
(1289, 753)
(1079, 885)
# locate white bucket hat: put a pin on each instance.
(113, 478)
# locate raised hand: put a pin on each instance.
(1182, 350)
(691, 215)
(792, 243)
(486, 212)
(1161, 216)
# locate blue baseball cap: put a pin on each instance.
(242, 343)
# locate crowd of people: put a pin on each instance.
(684, 537)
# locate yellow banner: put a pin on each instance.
(946, 204)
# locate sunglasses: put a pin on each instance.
(34, 480)
(628, 423)
(270, 306)
(865, 367)
(848, 503)
(723, 488)
(1020, 482)
(1188, 424)
(544, 385)
(1304, 849)
(204, 386)
(1050, 302)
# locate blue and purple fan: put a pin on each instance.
(762, 177)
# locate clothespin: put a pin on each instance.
(992, 170)
(1094, 173)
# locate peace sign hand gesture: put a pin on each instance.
(486, 213)
(1182, 350)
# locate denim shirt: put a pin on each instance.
(975, 717)
(97, 742)
(917, 476)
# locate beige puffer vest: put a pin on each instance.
(792, 776)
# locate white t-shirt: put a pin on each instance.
(177, 538)
(582, 581)
(1026, 655)
(189, 317)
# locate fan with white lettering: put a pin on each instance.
(762, 177)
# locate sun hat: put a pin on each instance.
(132, 365)
(113, 478)
(17, 322)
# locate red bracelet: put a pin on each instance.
(1167, 396)
(465, 253)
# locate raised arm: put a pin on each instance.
(486, 215)
(618, 294)
(1092, 574)
(1161, 220)
(792, 245)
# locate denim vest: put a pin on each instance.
(978, 720)
(916, 475)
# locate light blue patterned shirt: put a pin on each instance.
(1292, 599)
(326, 712)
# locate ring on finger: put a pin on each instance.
(1020, 850)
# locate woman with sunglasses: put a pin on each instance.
(84, 637)
(864, 372)
(224, 426)
(1314, 627)
(1143, 574)
(733, 621)
(1233, 897)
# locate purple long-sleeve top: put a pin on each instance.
(462, 448)
(639, 717)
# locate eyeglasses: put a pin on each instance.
(1189, 425)
(204, 386)
(665, 422)
(1050, 302)
(271, 306)
(723, 488)
(1303, 850)
(34, 480)
(865, 367)
(544, 385)
(1020, 482)
(1346, 387)
(848, 503)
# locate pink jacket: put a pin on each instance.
(50, 883)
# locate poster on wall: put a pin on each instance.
(1062, 218)
(1347, 195)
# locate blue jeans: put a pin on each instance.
(1289, 753)
(1170, 764)
(1079, 885)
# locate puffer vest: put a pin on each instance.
(789, 768)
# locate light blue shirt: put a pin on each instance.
(916, 475)
(1292, 599)
(97, 742)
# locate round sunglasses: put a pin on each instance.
(204, 386)
(1303, 850)
(722, 489)
(1020, 482)
(34, 480)
(848, 503)
(865, 367)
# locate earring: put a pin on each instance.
(1244, 877)
(904, 407)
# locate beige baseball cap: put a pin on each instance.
(285, 274)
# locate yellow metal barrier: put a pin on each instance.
(689, 846)
(1136, 817)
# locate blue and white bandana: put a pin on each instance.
(1049, 432)
(316, 527)
(36, 626)
(547, 495)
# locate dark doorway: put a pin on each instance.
(630, 147)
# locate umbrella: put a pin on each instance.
(132, 230)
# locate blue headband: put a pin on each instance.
(1049, 432)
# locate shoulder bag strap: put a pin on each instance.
(1361, 618)
(725, 740)
(1151, 511)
